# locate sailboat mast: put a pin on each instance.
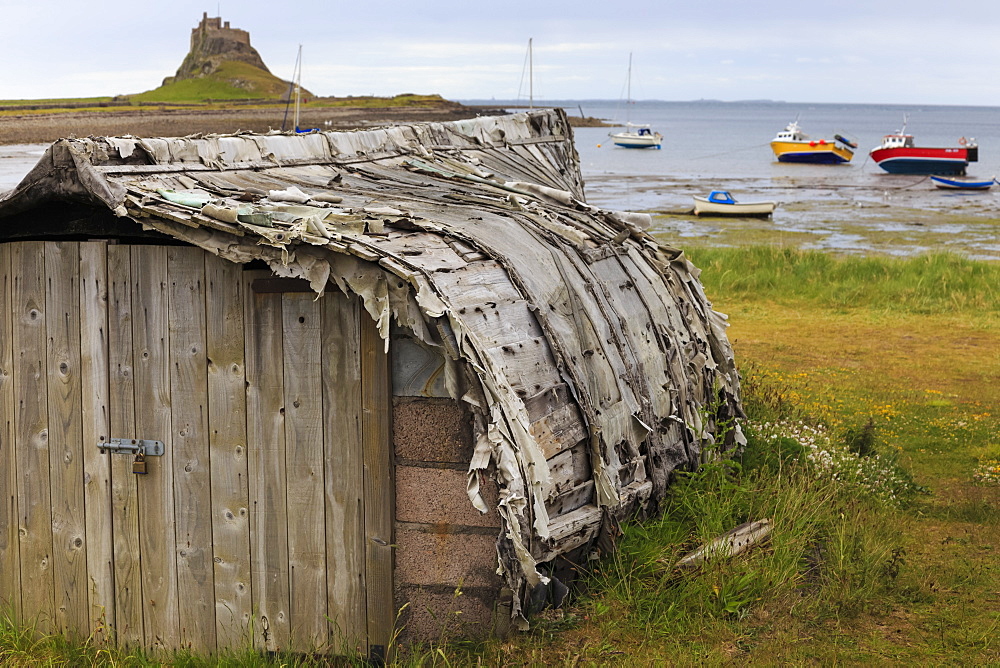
(298, 86)
(531, 76)
(628, 92)
(628, 95)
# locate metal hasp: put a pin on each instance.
(130, 446)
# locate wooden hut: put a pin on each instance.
(302, 390)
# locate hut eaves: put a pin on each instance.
(560, 322)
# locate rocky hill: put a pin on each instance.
(213, 43)
(221, 64)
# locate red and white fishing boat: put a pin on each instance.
(898, 154)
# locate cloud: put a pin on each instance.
(826, 50)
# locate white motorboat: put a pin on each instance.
(637, 136)
(721, 203)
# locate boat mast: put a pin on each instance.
(298, 86)
(628, 93)
(628, 80)
(531, 76)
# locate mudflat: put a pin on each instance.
(36, 128)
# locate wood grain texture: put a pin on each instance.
(574, 528)
(560, 429)
(69, 554)
(188, 364)
(266, 456)
(301, 320)
(121, 421)
(227, 415)
(31, 426)
(158, 546)
(94, 378)
(345, 539)
(376, 426)
(10, 574)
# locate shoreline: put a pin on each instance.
(47, 128)
(862, 213)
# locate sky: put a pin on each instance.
(843, 51)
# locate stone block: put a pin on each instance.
(435, 615)
(440, 556)
(431, 430)
(439, 496)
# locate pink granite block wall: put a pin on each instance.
(446, 562)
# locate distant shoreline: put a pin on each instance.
(41, 128)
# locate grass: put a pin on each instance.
(55, 101)
(938, 283)
(403, 100)
(871, 390)
(894, 358)
(233, 80)
(23, 645)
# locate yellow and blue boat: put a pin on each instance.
(793, 145)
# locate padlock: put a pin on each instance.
(139, 465)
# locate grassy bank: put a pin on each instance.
(30, 124)
(873, 423)
(197, 94)
(874, 414)
(814, 281)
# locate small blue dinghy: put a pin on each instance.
(957, 183)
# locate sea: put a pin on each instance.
(853, 208)
(715, 145)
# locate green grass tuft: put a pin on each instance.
(923, 284)
(832, 553)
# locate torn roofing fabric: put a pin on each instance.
(594, 364)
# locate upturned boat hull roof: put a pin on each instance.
(560, 322)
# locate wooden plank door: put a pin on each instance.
(154, 417)
(180, 533)
(31, 448)
(268, 516)
(321, 537)
(128, 602)
(182, 529)
(55, 542)
(10, 554)
(227, 439)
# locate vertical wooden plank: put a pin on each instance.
(266, 457)
(95, 424)
(62, 322)
(189, 447)
(376, 427)
(121, 420)
(345, 541)
(227, 419)
(151, 357)
(10, 572)
(301, 321)
(34, 501)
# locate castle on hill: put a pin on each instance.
(217, 27)
(213, 42)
